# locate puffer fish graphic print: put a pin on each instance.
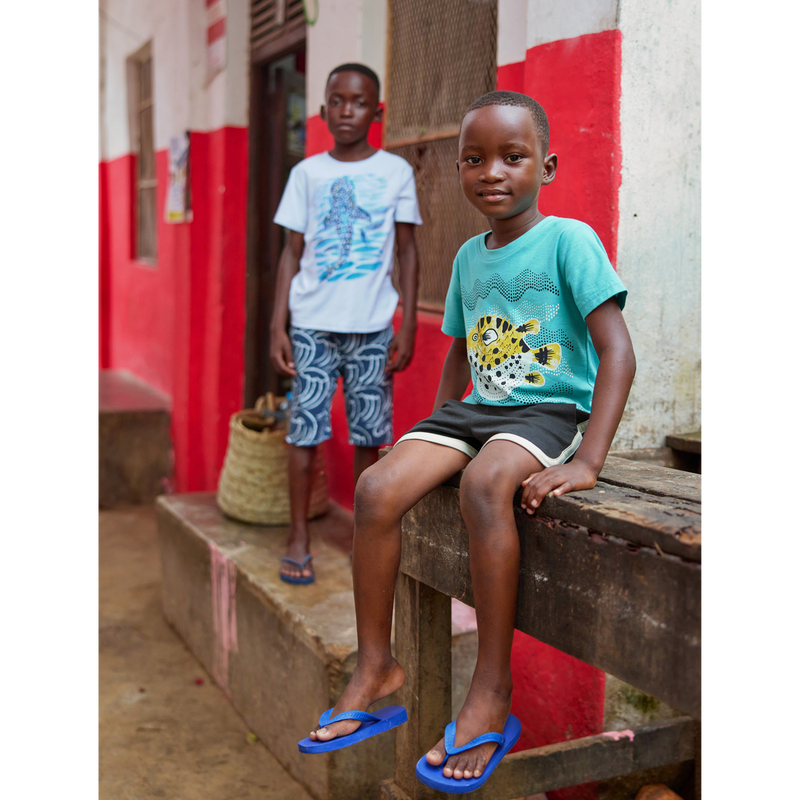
(344, 212)
(501, 359)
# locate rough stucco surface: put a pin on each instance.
(659, 218)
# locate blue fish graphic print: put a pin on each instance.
(343, 214)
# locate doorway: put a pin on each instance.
(277, 143)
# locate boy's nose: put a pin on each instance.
(493, 171)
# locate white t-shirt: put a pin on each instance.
(347, 211)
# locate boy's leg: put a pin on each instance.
(487, 492)
(384, 493)
(363, 458)
(317, 363)
(301, 477)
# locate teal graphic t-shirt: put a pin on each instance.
(523, 308)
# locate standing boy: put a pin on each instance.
(534, 307)
(343, 212)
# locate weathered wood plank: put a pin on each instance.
(422, 641)
(685, 442)
(622, 608)
(592, 758)
(670, 523)
(633, 506)
(651, 479)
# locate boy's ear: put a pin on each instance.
(378, 114)
(550, 165)
(322, 113)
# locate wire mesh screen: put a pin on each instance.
(441, 57)
(449, 219)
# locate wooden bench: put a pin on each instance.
(610, 576)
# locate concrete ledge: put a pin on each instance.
(281, 653)
(135, 450)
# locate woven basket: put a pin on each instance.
(254, 484)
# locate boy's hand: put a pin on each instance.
(280, 353)
(401, 350)
(559, 480)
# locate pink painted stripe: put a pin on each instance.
(223, 610)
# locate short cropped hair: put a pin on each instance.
(498, 98)
(362, 68)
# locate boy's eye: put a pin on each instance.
(514, 158)
(472, 160)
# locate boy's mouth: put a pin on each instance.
(493, 194)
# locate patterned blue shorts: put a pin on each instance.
(320, 358)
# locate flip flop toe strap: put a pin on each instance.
(450, 740)
(299, 564)
(361, 716)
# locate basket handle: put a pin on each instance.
(266, 401)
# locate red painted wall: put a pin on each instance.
(577, 81)
(179, 324)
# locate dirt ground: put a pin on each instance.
(166, 730)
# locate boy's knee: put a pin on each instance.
(484, 489)
(372, 497)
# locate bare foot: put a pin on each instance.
(368, 685)
(297, 549)
(483, 711)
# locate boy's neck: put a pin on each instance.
(505, 231)
(357, 151)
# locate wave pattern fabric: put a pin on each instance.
(321, 358)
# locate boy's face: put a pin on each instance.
(351, 106)
(500, 161)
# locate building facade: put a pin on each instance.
(188, 249)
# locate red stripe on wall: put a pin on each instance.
(511, 77)
(216, 31)
(179, 324)
(577, 81)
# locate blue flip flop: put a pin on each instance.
(371, 725)
(301, 565)
(432, 776)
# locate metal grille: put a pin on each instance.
(272, 19)
(449, 218)
(442, 56)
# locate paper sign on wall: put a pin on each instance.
(178, 207)
(216, 40)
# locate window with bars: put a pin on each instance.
(140, 72)
(442, 56)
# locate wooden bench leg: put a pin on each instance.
(699, 760)
(423, 641)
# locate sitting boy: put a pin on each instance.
(343, 211)
(534, 307)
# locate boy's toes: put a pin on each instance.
(332, 731)
(436, 754)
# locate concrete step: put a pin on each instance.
(282, 653)
(135, 450)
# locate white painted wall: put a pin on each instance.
(512, 30)
(551, 20)
(183, 97)
(346, 31)
(659, 215)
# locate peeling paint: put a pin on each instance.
(223, 610)
(617, 735)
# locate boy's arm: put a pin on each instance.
(401, 348)
(280, 348)
(455, 374)
(614, 378)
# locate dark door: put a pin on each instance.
(277, 143)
